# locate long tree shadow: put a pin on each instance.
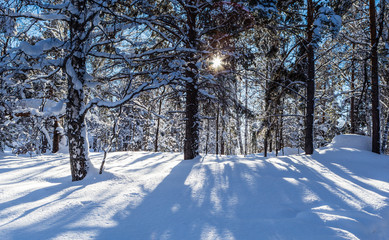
(217, 200)
(46, 211)
(161, 212)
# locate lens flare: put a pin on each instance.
(217, 62)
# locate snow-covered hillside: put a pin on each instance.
(340, 192)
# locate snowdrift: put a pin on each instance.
(340, 192)
(357, 142)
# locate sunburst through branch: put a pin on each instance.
(217, 62)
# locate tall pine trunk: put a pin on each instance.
(352, 101)
(374, 79)
(310, 85)
(217, 129)
(246, 118)
(191, 142)
(238, 115)
(223, 133)
(267, 114)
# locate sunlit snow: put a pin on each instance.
(339, 192)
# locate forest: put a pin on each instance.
(193, 76)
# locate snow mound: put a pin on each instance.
(351, 141)
(286, 151)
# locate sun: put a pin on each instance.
(217, 62)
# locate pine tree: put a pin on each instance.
(374, 79)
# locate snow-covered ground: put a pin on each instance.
(340, 192)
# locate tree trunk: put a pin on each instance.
(76, 72)
(374, 79)
(352, 101)
(239, 132)
(237, 119)
(45, 142)
(217, 129)
(157, 130)
(267, 113)
(310, 86)
(207, 138)
(385, 136)
(77, 135)
(246, 119)
(254, 142)
(191, 143)
(265, 141)
(56, 137)
(277, 136)
(282, 132)
(222, 137)
(270, 143)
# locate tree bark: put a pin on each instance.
(207, 138)
(282, 131)
(310, 86)
(385, 136)
(246, 118)
(265, 141)
(352, 101)
(77, 136)
(267, 112)
(191, 143)
(217, 129)
(374, 79)
(157, 130)
(76, 72)
(222, 135)
(56, 137)
(270, 143)
(239, 132)
(237, 119)
(45, 142)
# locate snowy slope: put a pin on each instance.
(340, 192)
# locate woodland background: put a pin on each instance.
(192, 76)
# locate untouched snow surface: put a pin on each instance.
(340, 192)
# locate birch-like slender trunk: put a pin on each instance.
(158, 123)
(76, 71)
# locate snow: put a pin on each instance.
(339, 192)
(353, 141)
(326, 19)
(33, 106)
(40, 47)
(73, 75)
